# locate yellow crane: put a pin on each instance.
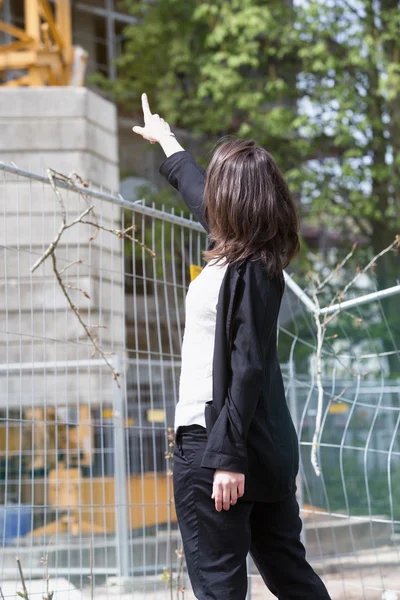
(42, 53)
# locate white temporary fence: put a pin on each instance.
(89, 372)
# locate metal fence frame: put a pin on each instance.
(123, 569)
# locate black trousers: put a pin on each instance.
(216, 544)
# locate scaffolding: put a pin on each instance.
(41, 52)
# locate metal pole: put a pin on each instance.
(300, 293)
(346, 304)
(112, 69)
(134, 206)
(121, 507)
(248, 565)
(295, 418)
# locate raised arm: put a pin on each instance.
(180, 169)
(186, 176)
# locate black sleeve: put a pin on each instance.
(226, 445)
(186, 176)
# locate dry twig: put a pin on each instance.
(45, 561)
(23, 594)
(322, 321)
(52, 248)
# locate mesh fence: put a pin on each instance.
(89, 372)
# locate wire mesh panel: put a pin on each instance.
(90, 357)
(350, 509)
(89, 372)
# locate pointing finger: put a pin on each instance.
(146, 107)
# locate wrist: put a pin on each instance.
(165, 136)
(170, 144)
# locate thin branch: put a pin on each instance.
(77, 289)
(394, 244)
(45, 562)
(352, 9)
(75, 262)
(318, 379)
(81, 321)
(322, 325)
(21, 576)
(73, 179)
(79, 219)
(51, 175)
(336, 398)
(340, 295)
(124, 233)
(337, 269)
(49, 250)
(52, 247)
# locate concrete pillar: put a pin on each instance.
(66, 129)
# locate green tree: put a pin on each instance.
(215, 68)
(319, 84)
(316, 82)
(350, 75)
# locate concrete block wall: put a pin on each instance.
(65, 129)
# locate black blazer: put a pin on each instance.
(248, 423)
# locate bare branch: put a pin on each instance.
(81, 216)
(337, 269)
(73, 179)
(336, 398)
(51, 175)
(318, 378)
(45, 561)
(72, 287)
(322, 322)
(124, 233)
(394, 244)
(75, 262)
(49, 250)
(21, 576)
(81, 321)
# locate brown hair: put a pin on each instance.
(249, 208)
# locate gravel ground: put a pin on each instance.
(351, 584)
(369, 576)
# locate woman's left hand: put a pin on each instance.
(227, 488)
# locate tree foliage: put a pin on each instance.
(318, 83)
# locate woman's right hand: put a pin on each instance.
(155, 128)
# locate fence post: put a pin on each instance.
(121, 508)
(248, 565)
(295, 418)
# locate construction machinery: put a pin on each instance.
(41, 53)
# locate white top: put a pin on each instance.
(195, 387)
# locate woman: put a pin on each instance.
(236, 450)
